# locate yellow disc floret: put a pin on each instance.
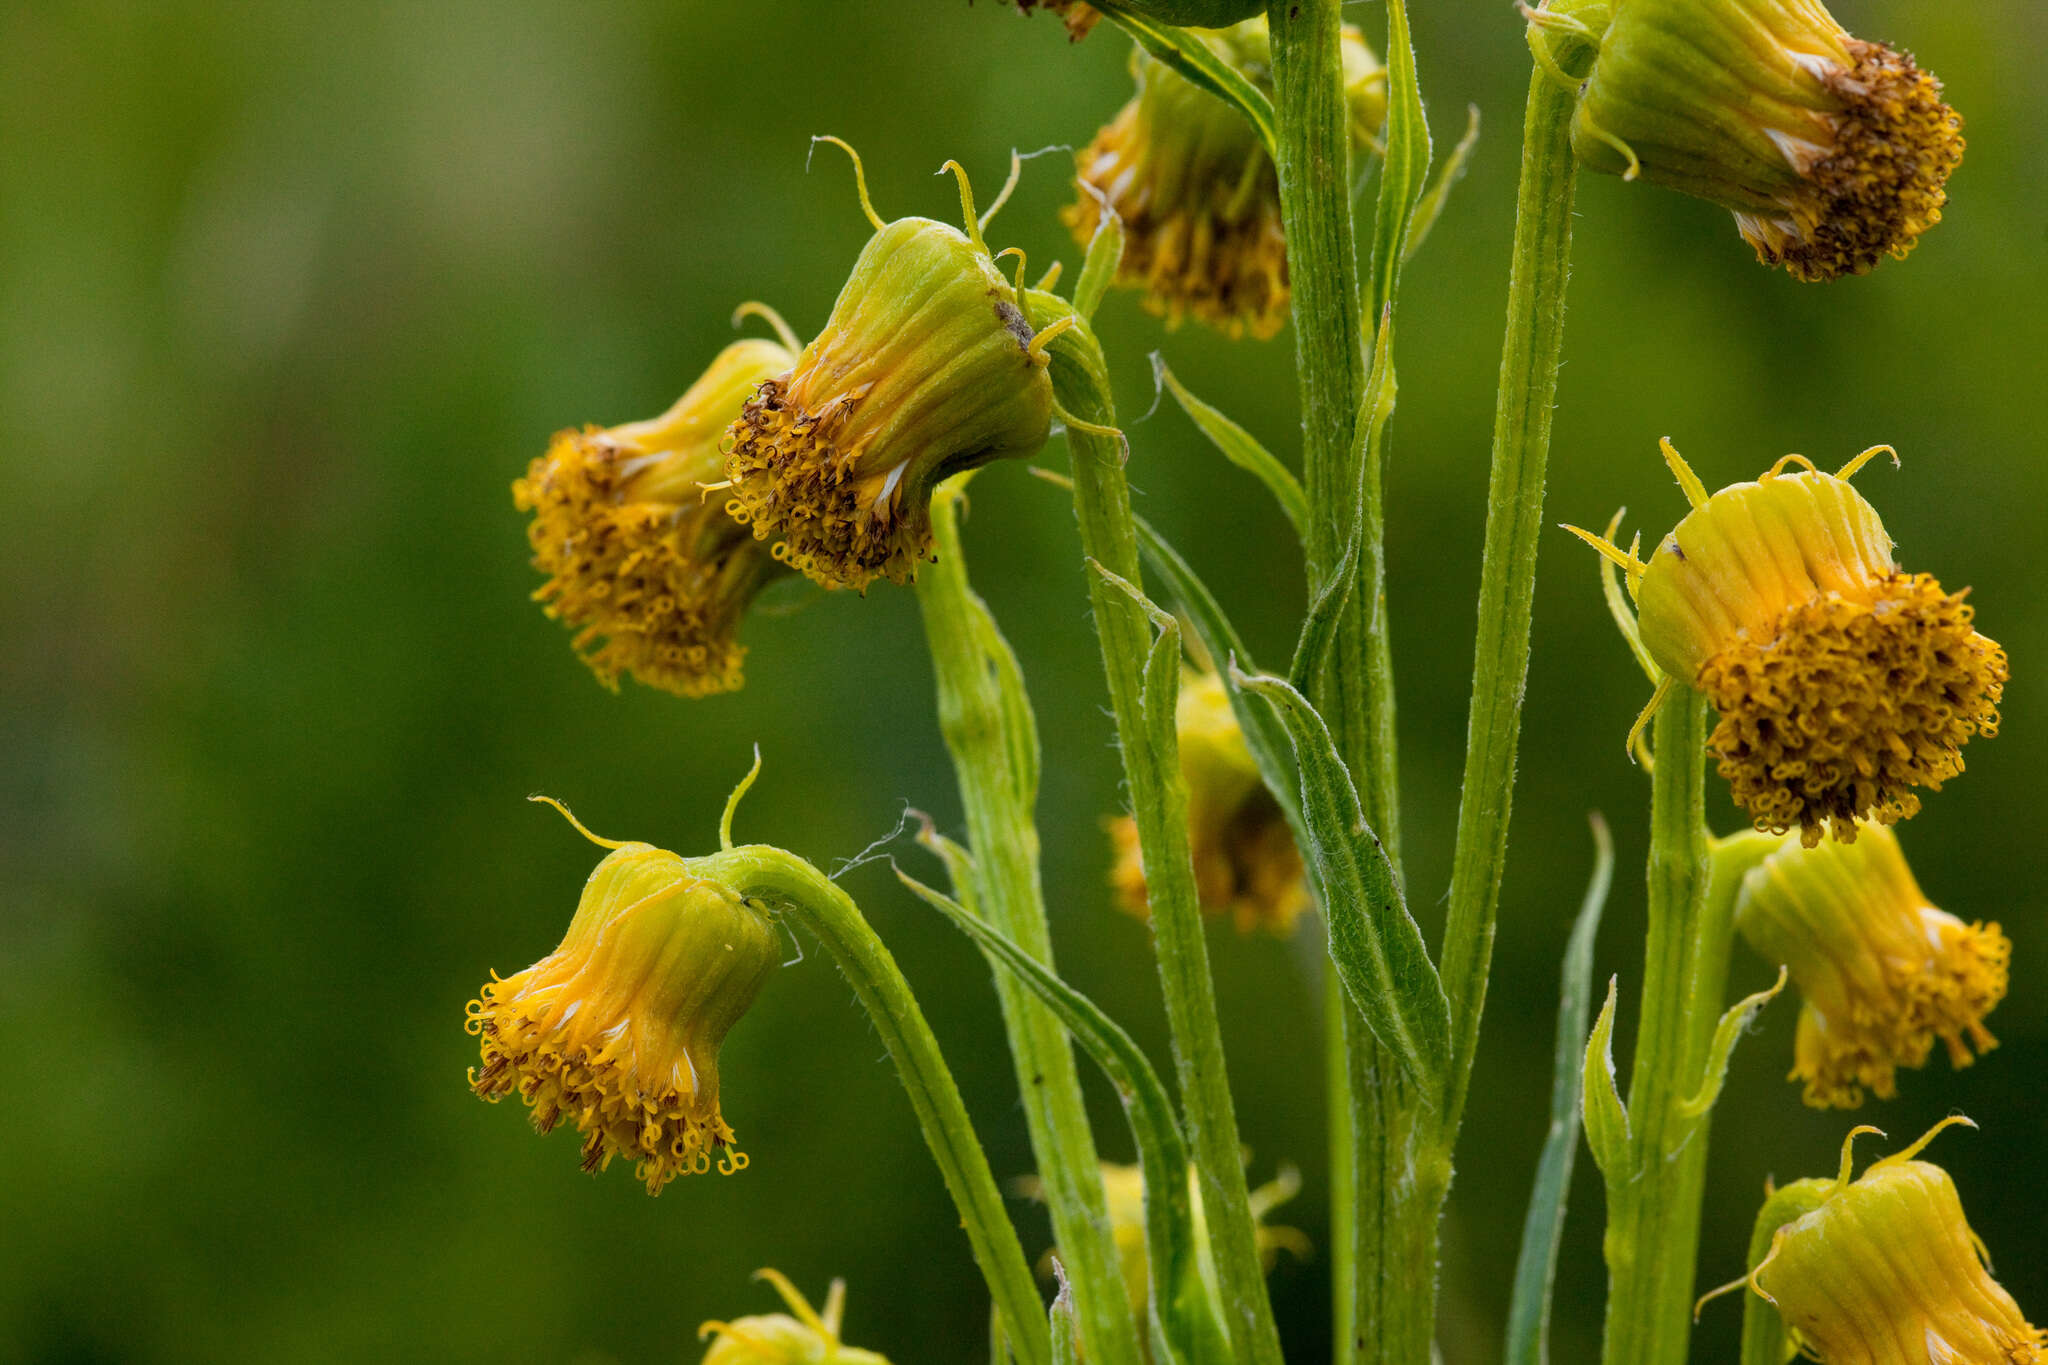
(925, 369)
(1832, 152)
(1197, 194)
(1883, 972)
(641, 561)
(618, 1030)
(1246, 863)
(1844, 684)
(1886, 1271)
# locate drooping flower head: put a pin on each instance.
(1832, 152)
(927, 367)
(1884, 1270)
(1883, 972)
(645, 565)
(1198, 195)
(618, 1029)
(1844, 684)
(808, 1338)
(1246, 862)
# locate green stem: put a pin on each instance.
(1355, 691)
(797, 889)
(1507, 576)
(1102, 504)
(1653, 1215)
(986, 718)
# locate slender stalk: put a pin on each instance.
(806, 895)
(1507, 575)
(986, 718)
(1653, 1212)
(1102, 504)
(1312, 155)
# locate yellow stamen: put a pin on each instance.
(860, 177)
(571, 818)
(1921, 1145)
(1778, 465)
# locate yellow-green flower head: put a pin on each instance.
(1883, 972)
(1197, 194)
(808, 1338)
(926, 368)
(1246, 862)
(1843, 682)
(642, 563)
(618, 1029)
(1886, 1271)
(1832, 152)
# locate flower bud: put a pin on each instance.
(925, 369)
(809, 1338)
(1246, 862)
(1883, 972)
(648, 569)
(1843, 683)
(1832, 152)
(1198, 196)
(619, 1028)
(1886, 1271)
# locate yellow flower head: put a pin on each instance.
(1832, 152)
(618, 1029)
(1886, 1271)
(1124, 1188)
(1246, 863)
(1843, 683)
(926, 368)
(1197, 194)
(1883, 972)
(641, 561)
(808, 1338)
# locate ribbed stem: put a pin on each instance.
(1653, 1216)
(987, 721)
(1102, 504)
(795, 888)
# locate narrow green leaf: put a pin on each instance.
(1406, 164)
(1184, 51)
(1606, 1117)
(1528, 1333)
(1726, 1035)
(1185, 1318)
(1319, 628)
(1099, 266)
(1374, 942)
(1239, 446)
(1066, 1332)
(1451, 172)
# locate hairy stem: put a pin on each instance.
(795, 888)
(1102, 504)
(987, 721)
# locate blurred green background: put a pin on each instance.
(289, 293)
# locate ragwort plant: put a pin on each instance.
(1831, 687)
